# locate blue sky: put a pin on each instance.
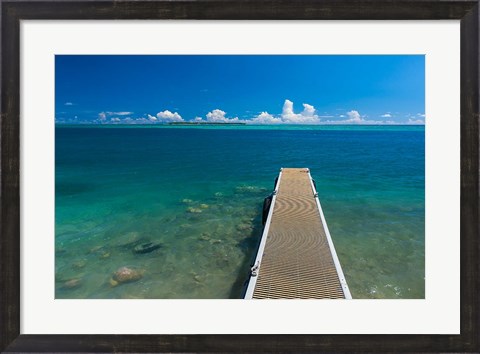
(262, 89)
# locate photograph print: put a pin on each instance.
(240, 177)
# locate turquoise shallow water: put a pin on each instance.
(198, 191)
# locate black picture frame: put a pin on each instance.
(12, 12)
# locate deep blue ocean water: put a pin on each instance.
(198, 193)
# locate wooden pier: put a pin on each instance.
(296, 258)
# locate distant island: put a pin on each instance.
(203, 123)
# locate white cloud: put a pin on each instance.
(415, 121)
(105, 114)
(354, 117)
(418, 118)
(288, 116)
(307, 116)
(167, 116)
(218, 116)
(265, 118)
(162, 117)
(308, 110)
(287, 108)
(102, 116)
(142, 121)
(68, 104)
(118, 113)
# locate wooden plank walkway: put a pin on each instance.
(296, 258)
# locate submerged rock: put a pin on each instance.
(222, 262)
(146, 247)
(95, 249)
(228, 210)
(194, 210)
(244, 227)
(204, 237)
(126, 275)
(198, 278)
(187, 201)
(131, 296)
(249, 189)
(204, 206)
(79, 264)
(127, 239)
(72, 283)
(60, 251)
